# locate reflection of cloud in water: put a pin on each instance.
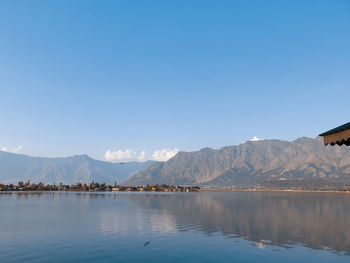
(119, 222)
(261, 245)
(163, 222)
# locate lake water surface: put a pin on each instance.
(174, 227)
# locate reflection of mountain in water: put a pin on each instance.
(314, 220)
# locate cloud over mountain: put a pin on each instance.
(118, 156)
(164, 155)
(14, 150)
(131, 155)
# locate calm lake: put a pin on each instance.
(174, 227)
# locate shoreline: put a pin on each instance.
(201, 190)
(274, 191)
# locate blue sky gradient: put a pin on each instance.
(90, 76)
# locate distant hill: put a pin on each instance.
(69, 170)
(251, 163)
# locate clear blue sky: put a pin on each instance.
(90, 76)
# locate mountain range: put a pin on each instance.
(247, 164)
(68, 170)
(250, 163)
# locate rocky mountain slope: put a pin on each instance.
(251, 163)
(69, 170)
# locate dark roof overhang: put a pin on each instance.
(337, 136)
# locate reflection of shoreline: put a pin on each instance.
(201, 190)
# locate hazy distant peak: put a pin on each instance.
(303, 140)
(68, 170)
(207, 149)
(81, 156)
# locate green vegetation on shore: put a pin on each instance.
(95, 187)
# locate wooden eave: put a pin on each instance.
(337, 136)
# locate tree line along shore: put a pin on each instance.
(95, 187)
(273, 185)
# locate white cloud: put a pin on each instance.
(17, 149)
(255, 139)
(120, 155)
(14, 150)
(130, 155)
(164, 155)
(142, 157)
